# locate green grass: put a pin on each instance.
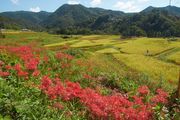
(62, 43)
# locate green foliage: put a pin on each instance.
(155, 23)
(133, 31)
(124, 84)
(75, 52)
(22, 19)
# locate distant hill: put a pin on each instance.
(78, 19)
(9, 23)
(170, 9)
(23, 19)
(152, 22)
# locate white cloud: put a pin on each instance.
(128, 6)
(143, 1)
(35, 9)
(96, 2)
(73, 2)
(15, 1)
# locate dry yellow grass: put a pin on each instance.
(175, 57)
(151, 66)
(108, 50)
(61, 43)
(142, 45)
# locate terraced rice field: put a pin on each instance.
(150, 56)
(174, 57)
(158, 58)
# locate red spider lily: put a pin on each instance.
(114, 106)
(51, 92)
(46, 59)
(161, 97)
(79, 62)
(22, 73)
(32, 64)
(8, 67)
(4, 74)
(45, 83)
(1, 63)
(143, 90)
(28, 56)
(65, 65)
(69, 57)
(61, 55)
(86, 76)
(103, 107)
(36, 73)
(58, 106)
(138, 100)
(17, 67)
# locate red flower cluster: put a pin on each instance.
(61, 55)
(86, 76)
(29, 58)
(4, 74)
(103, 107)
(36, 73)
(26, 53)
(143, 90)
(1, 63)
(56, 89)
(58, 106)
(32, 63)
(20, 72)
(115, 106)
(161, 97)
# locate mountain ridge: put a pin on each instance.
(78, 19)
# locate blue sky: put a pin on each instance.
(52, 5)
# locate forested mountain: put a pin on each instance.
(152, 22)
(78, 19)
(23, 19)
(170, 9)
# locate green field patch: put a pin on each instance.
(62, 43)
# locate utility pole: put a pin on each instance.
(178, 90)
(170, 1)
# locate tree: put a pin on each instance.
(133, 31)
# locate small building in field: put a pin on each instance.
(25, 30)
